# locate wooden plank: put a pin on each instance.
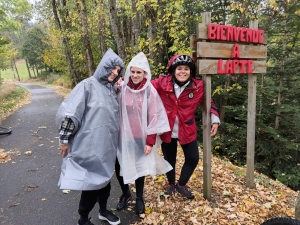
(210, 66)
(224, 50)
(201, 33)
(193, 42)
(206, 124)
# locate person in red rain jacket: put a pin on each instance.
(181, 93)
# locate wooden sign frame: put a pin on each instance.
(247, 56)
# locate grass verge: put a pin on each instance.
(7, 75)
(12, 98)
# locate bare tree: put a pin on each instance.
(85, 38)
(62, 27)
(101, 27)
(118, 36)
(151, 13)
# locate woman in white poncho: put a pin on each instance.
(142, 117)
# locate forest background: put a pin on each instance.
(66, 39)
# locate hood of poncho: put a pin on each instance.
(109, 60)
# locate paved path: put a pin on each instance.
(29, 194)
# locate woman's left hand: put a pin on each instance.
(147, 149)
(118, 85)
(214, 129)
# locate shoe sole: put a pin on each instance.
(110, 222)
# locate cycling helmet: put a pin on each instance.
(181, 60)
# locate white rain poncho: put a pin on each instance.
(93, 107)
(142, 114)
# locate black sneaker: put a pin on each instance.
(123, 201)
(86, 223)
(109, 217)
(170, 189)
(139, 205)
(184, 191)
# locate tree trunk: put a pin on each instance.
(162, 50)
(244, 13)
(136, 29)
(37, 71)
(151, 34)
(75, 76)
(14, 63)
(279, 97)
(34, 71)
(28, 70)
(114, 25)
(12, 68)
(101, 28)
(86, 39)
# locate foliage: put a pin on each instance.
(53, 56)
(34, 46)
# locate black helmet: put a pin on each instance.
(177, 60)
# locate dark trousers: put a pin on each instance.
(139, 183)
(89, 198)
(191, 155)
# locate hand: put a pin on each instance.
(214, 129)
(147, 149)
(118, 85)
(64, 149)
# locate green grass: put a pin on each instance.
(7, 75)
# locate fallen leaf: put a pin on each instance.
(28, 153)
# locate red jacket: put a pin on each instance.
(184, 107)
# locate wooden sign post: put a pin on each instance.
(222, 49)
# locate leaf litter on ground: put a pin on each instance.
(232, 203)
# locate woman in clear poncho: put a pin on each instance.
(142, 117)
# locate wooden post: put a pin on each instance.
(251, 121)
(206, 123)
(297, 208)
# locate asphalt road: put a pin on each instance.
(29, 194)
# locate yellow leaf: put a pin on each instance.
(159, 179)
(148, 211)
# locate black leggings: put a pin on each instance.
(191, 155)
(139, 183)
(89, 198)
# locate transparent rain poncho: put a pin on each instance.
(142, 114)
